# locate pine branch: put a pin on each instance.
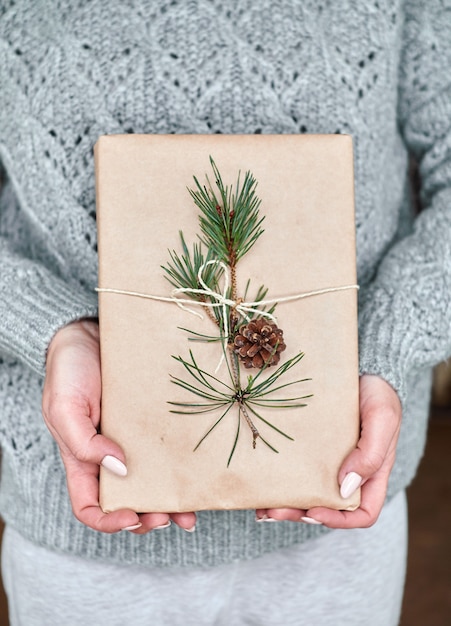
(230, 225)
(183, 273)
(245, 399)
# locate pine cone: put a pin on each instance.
(259, 343)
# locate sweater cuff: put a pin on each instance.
(38, 312)
(386, 338)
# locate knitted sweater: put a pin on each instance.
(71, 71)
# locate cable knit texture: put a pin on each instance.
(71, 71)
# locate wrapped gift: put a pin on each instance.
(228, 319)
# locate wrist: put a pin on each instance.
(82, 329)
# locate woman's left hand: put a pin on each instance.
(368, 465)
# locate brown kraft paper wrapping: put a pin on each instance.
(306, 188)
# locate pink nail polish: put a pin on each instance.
(310, 520)
(133, 527)
(350, 484)
(114, 465)
(162, 526)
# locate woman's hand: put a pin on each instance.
(71, 408)
(369, 465)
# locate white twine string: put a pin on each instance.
(240, 306)
(221, 300)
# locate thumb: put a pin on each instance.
(100, 451)
(380, 415)
(71, 425)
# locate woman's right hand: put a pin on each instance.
(71, 409)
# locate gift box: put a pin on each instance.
(203, 421)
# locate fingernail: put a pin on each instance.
(134, 527)
(265, 518)
(190, 530)
(350, 484)
(310, 520)
(162, 526)
(114, 465)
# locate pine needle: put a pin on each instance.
(230, 224)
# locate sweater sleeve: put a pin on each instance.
(405, 315)
(34, 301)
(34, 304)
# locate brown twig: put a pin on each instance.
(210, 313)
(240, 400)
(250, 423)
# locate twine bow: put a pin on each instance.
(221, 299)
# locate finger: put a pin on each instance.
(372, 501)
(152, 521)
(71, 425)
(157, 521)
(160, 521)
(187, 521)
(83, 487)
(285, 514)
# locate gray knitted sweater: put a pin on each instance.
(71, 71)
